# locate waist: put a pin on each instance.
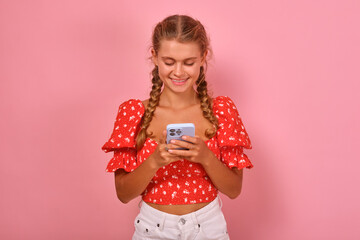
(201, 214)
(178, 209)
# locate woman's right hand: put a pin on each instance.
(161, 157)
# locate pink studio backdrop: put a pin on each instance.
(291, 67)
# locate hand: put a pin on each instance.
(161, 157)
(198, 151)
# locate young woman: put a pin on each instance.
(179, 188)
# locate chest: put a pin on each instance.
(162, 117)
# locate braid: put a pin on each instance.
(150, 109)
(206, 103)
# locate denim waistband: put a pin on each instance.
(167, 220)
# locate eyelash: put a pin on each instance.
(187, 64)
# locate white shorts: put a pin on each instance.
(204, 224)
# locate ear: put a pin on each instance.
(154, 57)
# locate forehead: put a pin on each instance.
(177, 50)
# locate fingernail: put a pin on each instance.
(172, 141)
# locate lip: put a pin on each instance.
(173, 80)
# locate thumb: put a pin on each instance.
(163, 138)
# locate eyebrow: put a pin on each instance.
(166, 58)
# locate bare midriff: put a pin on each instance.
(178, 209)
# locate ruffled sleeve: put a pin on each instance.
(231, 135)
(122, 141)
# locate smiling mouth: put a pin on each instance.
(179, 82)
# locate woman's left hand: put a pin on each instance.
(198, 151)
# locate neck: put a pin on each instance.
(178, 100)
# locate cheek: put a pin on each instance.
(163, 68)
(164, 73)
(194, 72)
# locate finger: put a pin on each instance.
(183, 153)
(166, 147)
(193, 140)
(172, 146)
(180, 143)
(163, 137)
(169, 157)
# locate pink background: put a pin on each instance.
(291, 67)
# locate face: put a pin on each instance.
(179, 64)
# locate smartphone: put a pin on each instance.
(177, 130)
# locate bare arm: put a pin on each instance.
(227, 181)
(130, 185)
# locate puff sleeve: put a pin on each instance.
(122, 141)
(232, 136)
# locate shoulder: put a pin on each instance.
(224, 104)
(130, 110)
(131, 104)
(145, 103)
(231, 130)
(126, 125)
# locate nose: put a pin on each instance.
(178, 71)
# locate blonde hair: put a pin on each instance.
(184, 29)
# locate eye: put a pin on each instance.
(189, 64)
(169, 64)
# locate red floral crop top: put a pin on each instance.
(180, 182)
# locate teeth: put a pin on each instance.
(178, 80)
